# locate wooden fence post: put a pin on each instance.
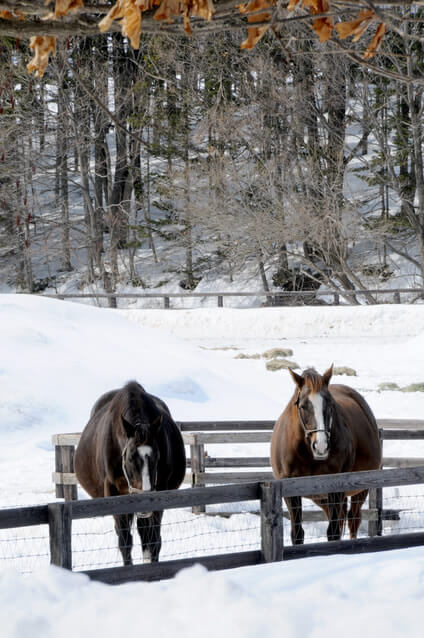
(271, 522)
(220, 301)
(375, 502)
(64, 462)
(60, 532)
(166, 303)
(197, 459)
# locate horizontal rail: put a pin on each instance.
(171, 499)
(357, 546)
(166, 499)
(257, 293)
(343, 482)
(217, 478)
(168, 569)
(219, 426)
(23, 516)
(232, 493)
(408, 427)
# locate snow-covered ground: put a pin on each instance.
(58, 357)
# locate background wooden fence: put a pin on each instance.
(198, 435)
(272, 298)
(60, 515)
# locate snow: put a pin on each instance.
(58, 357)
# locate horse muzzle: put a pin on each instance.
(320, 457)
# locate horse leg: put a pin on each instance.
(294, 505)
(123, 524)
(336, 502)
(343, 516)
(354, 515)
(150, 536)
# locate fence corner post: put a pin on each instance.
(271, 521)
(60, 534)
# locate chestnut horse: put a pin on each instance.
(325, 429)
(131, 445)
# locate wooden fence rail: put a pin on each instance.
(274, 297)
(199, 434)
(60, 515)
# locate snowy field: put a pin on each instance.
(58, 357)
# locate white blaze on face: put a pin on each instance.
(321, 442)
(144, 452)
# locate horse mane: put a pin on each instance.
(313, 380)
(129, 403)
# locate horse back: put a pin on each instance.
(361, 422)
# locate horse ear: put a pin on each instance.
(297, 378)
(128, 427)
(327, 375)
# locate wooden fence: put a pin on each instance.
(59, 516)
(272, 298)
(200, 434)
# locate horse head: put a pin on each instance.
(141, 420)
(316, 410)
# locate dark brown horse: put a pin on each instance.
(325, 429)
(131, 444)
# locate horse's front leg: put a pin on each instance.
(336, 513)
(294, 505)
(150, 536)
(123, 523)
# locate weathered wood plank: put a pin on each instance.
(197, 457)
(405, 428)
(238, 461)
(60, 531)
(195, 438)
(216, 426)
(326, 483)
(399, 461)
(395, 424)
(66, 439)
(168, 569)
(406, 434)
(64, 478)
(211, 478)
(168, 499)
(271, 522)
(360, 545)
(23, 516)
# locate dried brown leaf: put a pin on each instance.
(323, 27)
(260, 17)
(255, 5)
(63, 7)
(375, 42)
(254, 35)
(168, 9)
(42, 45)
(355, 27)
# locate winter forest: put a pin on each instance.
(290, 159)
